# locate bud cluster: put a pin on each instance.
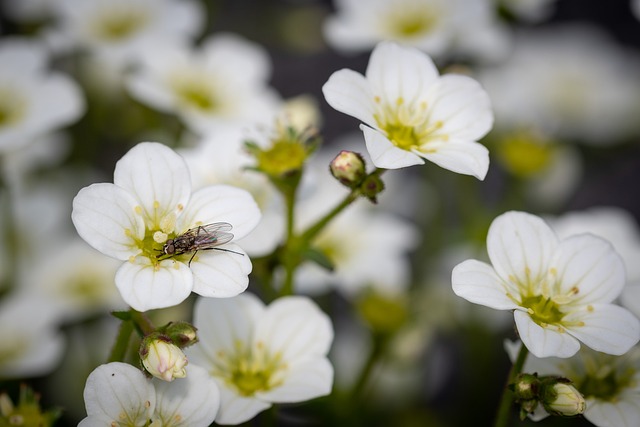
(349, 168)
(161, 351)
(556, 394)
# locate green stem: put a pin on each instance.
(119, 350)
(376, 352)
(141, 322)
(504, 410)
(312, 231)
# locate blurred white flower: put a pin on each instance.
(368, 248)
(568, 82)
(620, 228)
(121, 30)
(411, 113)
(33, 101)
(635, 8)
(223, 82)
(437, 27)
(221, 158)
(561, 291)
(262, 355)
(118, 393)
(30, 343)
(609, 384)
(149, 203)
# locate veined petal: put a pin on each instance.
(145, 287)
(591, 266)
(221, 274)
(104, 216)
(222, 323)
(607, 328)
(118, 389)
(191, 402)
(395, 72)
(462, 106)
(295, 328)
(235, 409)
(520, 246)
(623, 412)
(221, 203)
(465, 157)
(386, 155)
(306, 380)
(477, 282)
(348, 92)
(544, 342)
(157, 177)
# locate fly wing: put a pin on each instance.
(212, 235)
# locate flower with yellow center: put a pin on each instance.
(561, 291)
(151, 202)
(410, 113)
(262, 355)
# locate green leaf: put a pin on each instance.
(319, 258)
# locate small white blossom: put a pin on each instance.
(561, 291)
(223, 82)
(118, 394)
(151, 202)
(262, 355)
(119, 31)
(412, 114)
(33, 101)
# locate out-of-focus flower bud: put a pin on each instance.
(348, 168)
(163, 359)
(371, 187)
(384, 314)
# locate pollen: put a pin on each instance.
(180, 207)
(132, 259)
(376, 99)
(138, 209)
(590, 308)
(127, 232)
(156, 204)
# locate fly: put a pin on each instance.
(200, 238)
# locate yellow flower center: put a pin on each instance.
(525, 154)
(410, 20)
(12, 107)
(407, 125)
(284, 156)
(250, 369)
(120, 24)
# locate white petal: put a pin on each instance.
(589, 264)
(102, 214)
(295, 328)
(156, 176)
(145, 287)
(234, 57)
(60, 102)
(386, 155)
(349, 93)
(630, 297)
(190, 402)
(623, 412)
(544, 342)
(465, 157)
(607, 328)
(400, 72)
(462, 106)
(118, 388)
(478, 283)
(235, 409)
(307, 380)
(221, 274)
(520, 246)
(222, 323)
(221, 203)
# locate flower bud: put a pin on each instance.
(563, 399)
(181, 334)
(348, 168)
(526, 386)
(371, 187)
(163, 360)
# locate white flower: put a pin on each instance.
(411, 113)
(118, 394)
(221, 158)
(151, 202)
(33, 101)
(30, 344)
(560, 290)
(225, 81)
(530, 10)
(620, 228)
(433, 26)
(609, 384)
(262, 355)
(121, 30)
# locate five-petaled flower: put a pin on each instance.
(149, 203)
(411, 113)
(561, 291)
